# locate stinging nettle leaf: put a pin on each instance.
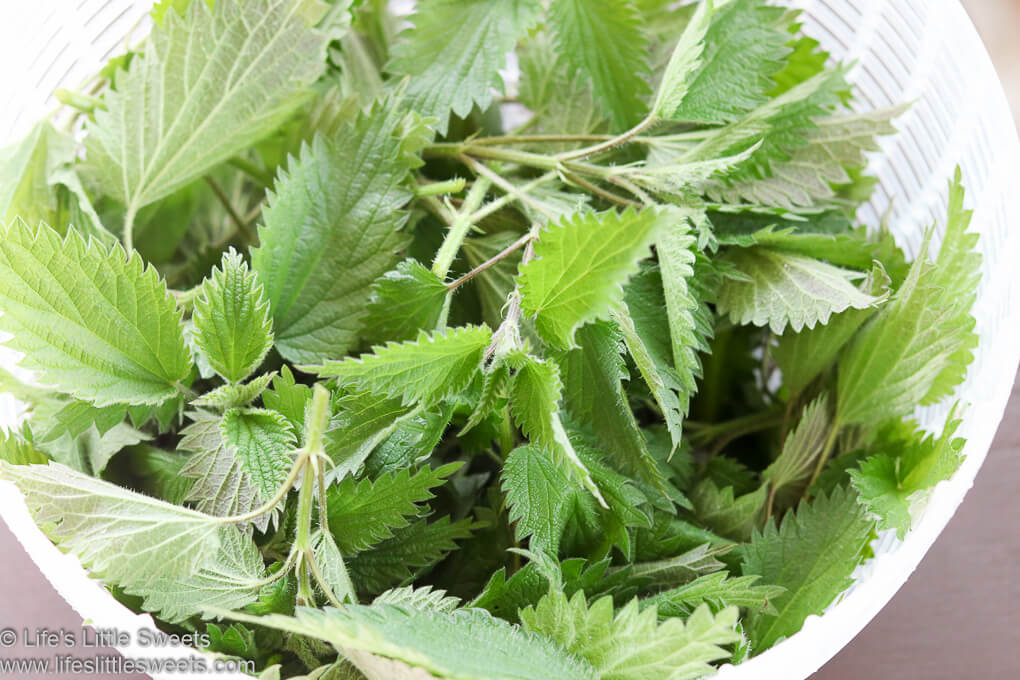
(233, 328)
(632, 644)
(606, 43)
(426, 370)
(131, 539)
(455, 50)
(331, 228)
(539, 495)
(404, 301)
(684, 62)
(204, 88)
(94, 323)
(784, 289)
(235, 396)
(917, 348)
(718, 591)
(263, 441)
(811, 554)
(580, 266)
(443, 643)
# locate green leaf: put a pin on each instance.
(718, 591)
(413, 548)
(264, 443)
(233, 328)
(744, 46)
(896, 482)
(593, 377)
(917, 348)
(780, 289)
(807, 177)
(426, 370)
(95, 323)
(454, 52)
(684, 63)
(535, 405)
(337, 209)
(802, 447)
(19, 450)
(203, 89)
(681, 569)
(363, 421)
(76, 418)
(443, 643)
(633, 645)
(289, 398)
(812, 555)
(132, 540)
(38, 183)
(222, 485)
(235, 396)
(333, 568)
(364, 513)
(606, 42)
(229, 580)
(580, 266)
(423, 598)
(404, 301)
(803, 356)
(539, 496)
(730, 517)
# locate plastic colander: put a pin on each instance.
(924, 51)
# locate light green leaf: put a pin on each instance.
(718, 591)
(231, 580)
(405, 301)
(363, 513)
(235, 396)
(802, 447)
(580, 266)
(133, 540)
(593, 391)
(812, 555)
(539, 496)
(455, 51)
(606, 42)
(633, 645)
(75, 418)
(332, 567)
(683, 568)
(805, 179)
(917, 348)
(336, 210)
(222, 485)
(729, 517)
(803, 356)
(411, 549)
(685, 62)
(444, 643)
(93, 322)
(233, 328)
(362, 422)
(426, 370)
(535, 405)
(423, 598)
(18, 450)
(896, 482)
(786, 290)
(203, 89)
(744, 46)
(264, 443)
(288, 397)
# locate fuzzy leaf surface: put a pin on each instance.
(94, 323)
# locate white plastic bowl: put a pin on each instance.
(926, 51)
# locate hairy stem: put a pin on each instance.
(482, 170)
(450, 186)
(459, 229)
(830, 444)
(510, 250)
(610, 144)
(498, 204)
(129, 229)
(238, 221)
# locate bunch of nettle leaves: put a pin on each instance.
(334, 356)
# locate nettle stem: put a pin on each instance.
(610, 144)
(495, 259)
(129, 229)
(460, 227)
(830, 444)
(303, 537)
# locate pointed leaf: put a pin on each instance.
(405, 301)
